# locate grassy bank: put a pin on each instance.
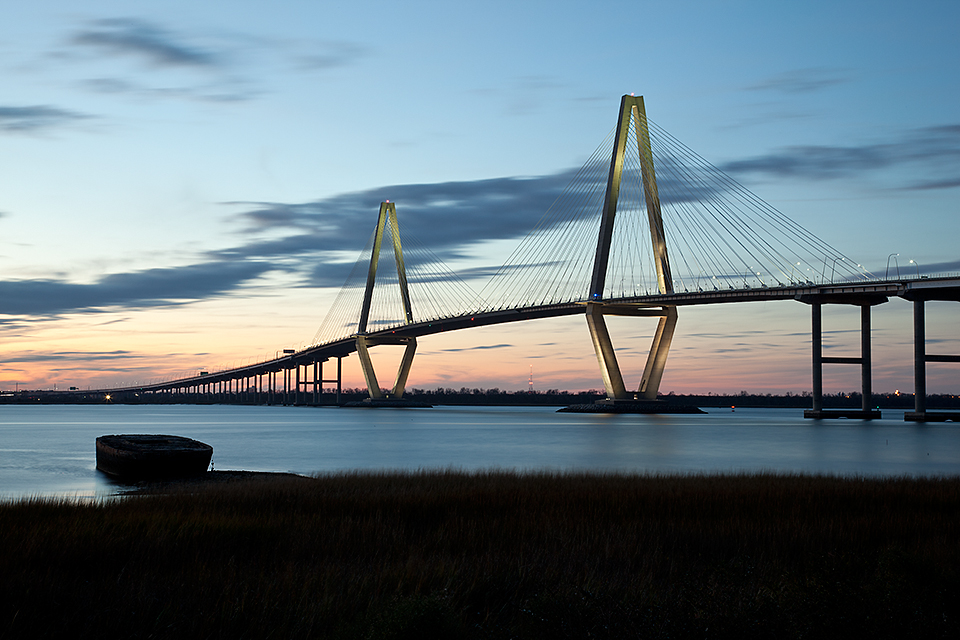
(491, 555)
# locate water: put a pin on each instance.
(49, 450)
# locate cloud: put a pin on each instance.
(911, 268)
(329, 55)
(523, 95)
(450, 219)
(933, 151)
(318, 241)
(479, 348)
(447, 218)
(144, 41)
(223, 90)
(930, 185)
(800, 81)
(448, 211)
(70, 356)
(150, 288)
(224, 68)
(36, 118)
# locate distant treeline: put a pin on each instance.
(483, 397)
(464, 396)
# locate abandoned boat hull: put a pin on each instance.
(141, 456)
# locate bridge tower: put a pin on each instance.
(388, 213)
(631, 108)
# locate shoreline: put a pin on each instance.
(495, 397)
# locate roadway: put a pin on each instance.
(859, 293)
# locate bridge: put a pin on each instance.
(644, 228)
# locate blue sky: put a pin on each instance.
(182, 184)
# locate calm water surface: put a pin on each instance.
(49, 450)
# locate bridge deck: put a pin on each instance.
(867, 292)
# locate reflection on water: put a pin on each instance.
(49, 450)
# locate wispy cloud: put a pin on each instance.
(316, 241)
(182, 65)
(150, 288)
(933, 152)
(447, 212)
(144, 41)
(222, 91)
(800, 81)
(68, 356)
(36, 118)
(450, 218)
(933, 267)
(193, 64)
(315, 238)
(521, 96)
(478, 348)
(328, 55)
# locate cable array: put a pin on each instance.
(435, 290)
(343, 317)
(722, 235)
(719, 235)
(554, 261)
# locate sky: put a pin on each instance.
(184, 186)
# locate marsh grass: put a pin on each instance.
(490, 555)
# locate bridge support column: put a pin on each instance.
(370, 376)
(866, 381)
(606, 356)
(657, 358)
(631, 109)
(388, 213)
(296, 393)
(816, 335)
(865, 412)
(920, 360)
(400, 385)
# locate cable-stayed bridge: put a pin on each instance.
(645, 227)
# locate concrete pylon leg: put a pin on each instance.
(865, 358)
(606, 357)
(409, 351)
(816, 340)
(369, 375)
(657, 358)
(919, 358)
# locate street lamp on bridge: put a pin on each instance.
(886, 274)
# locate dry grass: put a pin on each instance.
(491, 555)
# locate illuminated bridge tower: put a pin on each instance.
(388, 213)
(631, 107)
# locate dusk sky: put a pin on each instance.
(185, 185)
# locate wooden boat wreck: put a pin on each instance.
(142, 457)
